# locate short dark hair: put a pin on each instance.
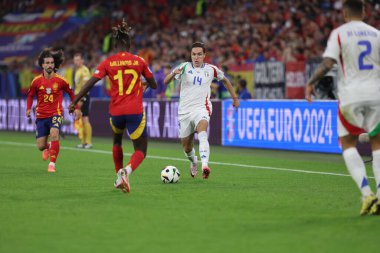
(120, 34)
(49, 52)
(354, 6)
(243, 83)
(78, 54)
(199, 44)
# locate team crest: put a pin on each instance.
(55, 86)
(48, 90)
(207, 74)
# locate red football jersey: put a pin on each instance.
(49, 95)
(124, 71)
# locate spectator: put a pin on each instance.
(243, 91)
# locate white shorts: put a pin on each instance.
(358, 118)
(188, 123)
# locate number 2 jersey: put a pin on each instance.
(356, 48)
(49, 95)
(195, 86)
(124, 71)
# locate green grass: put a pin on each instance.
(239, 209)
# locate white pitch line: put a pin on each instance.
(186, 160)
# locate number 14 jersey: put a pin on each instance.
(355, 46)
(124, 71)
(195, 86)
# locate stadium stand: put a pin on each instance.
(235, 31)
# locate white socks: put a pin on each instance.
(376, 169)
(191, 155)
(129, 169)
(356, 167)
(204, 148)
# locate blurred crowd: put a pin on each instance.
(235, 31)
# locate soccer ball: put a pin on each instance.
(170, 174)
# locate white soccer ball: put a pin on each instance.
(170, 174)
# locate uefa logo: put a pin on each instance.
(230, 123)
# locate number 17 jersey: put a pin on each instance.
(124, 71)
(355, 46)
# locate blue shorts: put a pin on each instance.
(43, 125)
(134, 123)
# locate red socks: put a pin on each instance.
(117, 152)
(53, 151)
(136, 158)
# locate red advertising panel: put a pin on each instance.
(295, 80)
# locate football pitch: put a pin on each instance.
(254, 201)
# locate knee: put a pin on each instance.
(41, 147)
(54, 135)
(187, 147)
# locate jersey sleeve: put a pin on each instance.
(146, 72)
(101, 70)
(333, 46)
(218, 74)
(68, 90)
(180, 66)
(31, 92)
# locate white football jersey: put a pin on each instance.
(195, 86)
(356, 48)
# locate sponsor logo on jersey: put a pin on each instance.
(42, 87)
(190, 72)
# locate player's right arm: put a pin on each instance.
(171, 75)
(29, 99)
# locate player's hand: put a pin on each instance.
(71, 108)
(27, 113)
(78, 114)
(235, 102)
(177, 71)
(310, 90)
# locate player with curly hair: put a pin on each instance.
(49, 88)
(126, 107)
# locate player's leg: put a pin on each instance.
(44, 146)
(136, 126)
(87, 132)
(356, 167)
(118, 127)
(348, 132)
(87, 128)
(78, 125)
(188, 149)
(373, 122)
(204, 147)
(55, 127)
(186, 134)
(375, 145)
(43, 131)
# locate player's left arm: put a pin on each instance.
(230, 88)
(325, 66)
